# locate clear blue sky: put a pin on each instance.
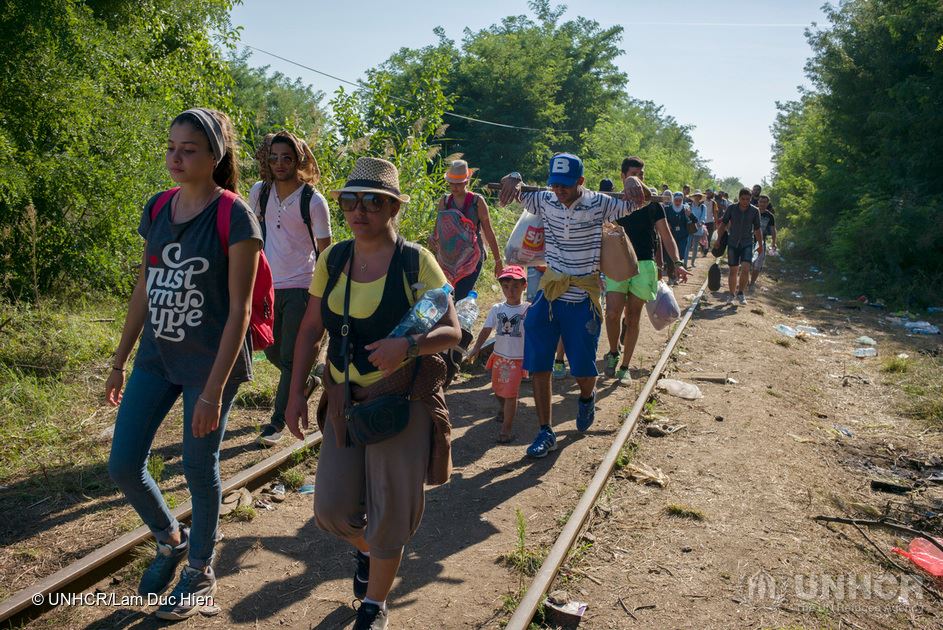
(719, 66)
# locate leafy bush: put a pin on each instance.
(84, 104)
(857, 159)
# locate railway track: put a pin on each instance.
(524, 613)
(28, 603)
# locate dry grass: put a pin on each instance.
(920, 388)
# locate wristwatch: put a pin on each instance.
(412, 350)
(679, 263)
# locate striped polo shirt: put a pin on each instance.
(572, 236)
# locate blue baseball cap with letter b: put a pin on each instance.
(565, 169)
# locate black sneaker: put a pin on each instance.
(361, 576)
(270, 435)
(371, 617)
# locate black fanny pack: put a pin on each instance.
(376, 420)
(380, 418)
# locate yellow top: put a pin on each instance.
(365, 298)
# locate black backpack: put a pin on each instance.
(307, 192)
(340, 255)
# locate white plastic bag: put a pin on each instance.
(689, 391)
(526, 245)
(664, 308)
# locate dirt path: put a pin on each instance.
(757, 477)
(280, 571)
(796, 440)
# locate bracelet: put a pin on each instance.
(118, 369)
(203, 400)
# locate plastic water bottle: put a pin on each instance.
(789, 331)
(425, 313)
(467, 309)
(862, 353)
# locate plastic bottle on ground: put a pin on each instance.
(467, 310)
(862, 353)
(680, 388)
(424, 314)
(789, 331)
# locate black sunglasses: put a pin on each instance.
(370, 202)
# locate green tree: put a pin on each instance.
(86, 92)
(634, 127)
(857, 158)
(264, 102)
(553, 76)
(396, 121)
(730, 185)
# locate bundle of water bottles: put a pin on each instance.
(433, 305)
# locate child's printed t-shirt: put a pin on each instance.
(508, 324)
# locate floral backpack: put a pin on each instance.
(456, 239)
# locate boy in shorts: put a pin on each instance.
(507, 360)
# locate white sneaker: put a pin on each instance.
(741, 298)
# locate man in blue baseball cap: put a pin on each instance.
(567, 306)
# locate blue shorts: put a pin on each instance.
(742, 254)
(577, 323)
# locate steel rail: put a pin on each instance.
(524, 613)
(35, 595)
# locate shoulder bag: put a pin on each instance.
(382, 417)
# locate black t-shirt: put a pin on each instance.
(187, 283)
(767, 223)
(640, 226)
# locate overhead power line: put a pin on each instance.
(361, 85)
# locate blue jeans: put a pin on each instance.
(147, 399)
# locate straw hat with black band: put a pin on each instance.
(375, 176)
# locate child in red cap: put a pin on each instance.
(507, 360)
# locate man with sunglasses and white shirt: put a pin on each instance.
(567, 306)
(295, 227)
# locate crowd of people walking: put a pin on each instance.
(221, 278)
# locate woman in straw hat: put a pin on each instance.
(372, 495)
(461, 219)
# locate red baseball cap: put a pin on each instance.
(514, 272)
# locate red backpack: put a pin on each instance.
(262, 315)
